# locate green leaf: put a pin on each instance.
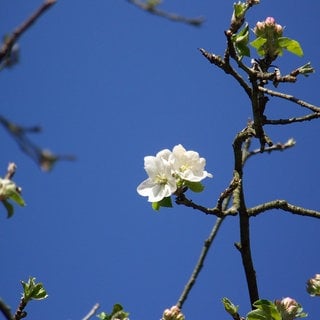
(240, 9)
(306, 69)
(194, 186)
(165, 202)
(241, 40)
(16, 197)
(9, 208)
(230, 307)
(155, 206)
(116, 308)
(103, 316)
(291, 45)
(266, 310)
(33, 290)
(257, 315)
(117, 313)
(258, 44)
(243, 50)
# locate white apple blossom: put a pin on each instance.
(161, 183)
(188, 165)
(169, 170)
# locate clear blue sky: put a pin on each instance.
(111, 84)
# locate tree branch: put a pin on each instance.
(285, 206)
(10, 40)
(44, 158)
(276, 147)
(220, 210)
(244, 246)
(290, 98)
(207, 244)
(307, 117)
(4, 308)
(151, 7)
(227, 68)
(92, 312)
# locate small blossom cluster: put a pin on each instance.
(174, 313)
(289, 309)
(268, 28)
(313, 286)
(169, 170)
(270, 31)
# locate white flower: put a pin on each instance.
(161, 183)
(188, 165)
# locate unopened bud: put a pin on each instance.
(313, 286)
(7, 188)
(174, 313)
(290, 309)
(268, 28)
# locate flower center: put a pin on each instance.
(161, 179)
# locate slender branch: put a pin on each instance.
(11, 39)
(244, 247)
(207, 244)
(307, 117)
(290, 98)
(276, 147)
(44, 158)
(152, 8)
(227, 68)
(283, 205)
(182, 199)
(11, 171)
(92, 312)
(20, 313)
(222, 202)
(6, 311)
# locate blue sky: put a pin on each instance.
(112, 84)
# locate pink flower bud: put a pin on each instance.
(270, 21)
(289, 308)
(174, 313)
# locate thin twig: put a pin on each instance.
(276, 147)
(168, 15)
(182, 199)
(20, 313)
(92, 312)
(11, 39)
(199, 265)
(12, 167)
(290, 98)
(307, 117)
(227, 68)
(44, 158)
(283, 205)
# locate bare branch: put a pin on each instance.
(44, 158)
(182, 199)
(11, 39)
(290, 98)
(20, 313)
(307, 117)
(10, 171)
(92, 312)
(227, 68)
(239, 201)
(276, 147)
(283, 205)
(151, 8)
(207, 244)
(4, 308)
